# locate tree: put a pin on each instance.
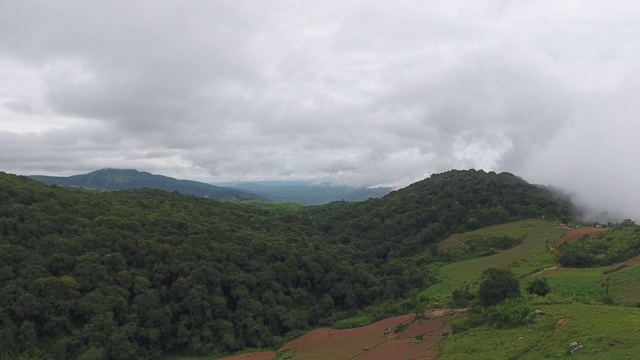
(539, 286)
(497, 285)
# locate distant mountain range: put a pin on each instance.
(305, 193)
(121, 179)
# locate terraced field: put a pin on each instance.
(531, 255)
(624, 286)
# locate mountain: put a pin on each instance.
(141, 273)
(307, 193)
(121, 179)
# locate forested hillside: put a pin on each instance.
(138, 273)
(410, 219)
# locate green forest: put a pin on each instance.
(142, 273)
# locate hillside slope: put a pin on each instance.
(137, 273)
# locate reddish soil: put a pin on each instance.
(576, 234)
(253, 356)
(372, 342)
(406, 346)
(321, 336)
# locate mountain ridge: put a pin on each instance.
(124, 179)
(301, 192)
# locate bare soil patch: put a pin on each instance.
(377, 341)
(577, 233)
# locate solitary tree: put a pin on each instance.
(497, 285)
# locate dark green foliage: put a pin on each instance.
(497, 285)
(463, 297)
(616, 246)
(539, 286)
(508, 313)
(137, 273)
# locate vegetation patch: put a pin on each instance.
(624, 286)
(531, 255)
(621, 244)
(614, 331)
(583, 285)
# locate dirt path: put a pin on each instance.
(559, 326)
(548, 271)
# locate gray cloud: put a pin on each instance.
(354, 92)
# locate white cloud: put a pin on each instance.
(355, 92)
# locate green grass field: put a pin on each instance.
(615, 331)
(516, 230)
(531, 255)
(584, 285)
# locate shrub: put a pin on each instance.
(539, 286)
(509, 313)
(497, 285)
(472, 321)
(462, 297)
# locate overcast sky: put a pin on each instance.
(353, 92)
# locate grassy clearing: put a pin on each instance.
(587, 285)
(516, 230)
(584, 285)
(613, 330)
(531, 255)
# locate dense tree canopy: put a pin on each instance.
(137, 273)
(497, 285)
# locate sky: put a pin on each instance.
(359, 93)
